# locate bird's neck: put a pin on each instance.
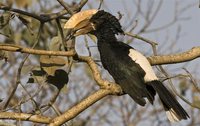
(105, 35)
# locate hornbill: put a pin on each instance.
(128, 67)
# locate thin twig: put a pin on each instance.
(66, 7)
(141, 38)
(51, 102)
(176, 92)
(80, 5)
(19, 73)
(22, 64)
(21, 12)
(100, 4)
(61, 34)
(193, 80)
(87, 46)
(176, 76)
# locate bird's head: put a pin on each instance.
(91, 21)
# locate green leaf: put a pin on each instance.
(37, 76)
(29, 33)
(6, 31)
(196, 100)
(27, 36)
(51, 63)
(64, 89)
(23, 3)
(93, 38)
(5, 25)
(27, 21)
(1, 4)
(55, 44)
(183, 86)
(3, 55)
(5, 19)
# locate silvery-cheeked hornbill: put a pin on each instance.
(129, 68)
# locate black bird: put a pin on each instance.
(129, 68)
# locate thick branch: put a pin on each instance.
(15, 48)
(95, 71)
(25, 117)
(104, 84)
(75, 110)
(154, 60)
(176, 58)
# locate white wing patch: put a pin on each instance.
(144, 63)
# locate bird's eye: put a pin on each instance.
(94, 22)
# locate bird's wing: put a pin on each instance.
(130, 78)
(128, 74)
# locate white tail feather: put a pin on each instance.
(172, 116)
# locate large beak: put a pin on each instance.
(80, 23)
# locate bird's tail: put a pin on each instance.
(174, 110)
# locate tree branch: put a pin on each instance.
(154, 60)
(141, 38)
(175, 58)
(25, 117)
(75, 110)
(66, 7)
(95, 71)
(16, 48)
